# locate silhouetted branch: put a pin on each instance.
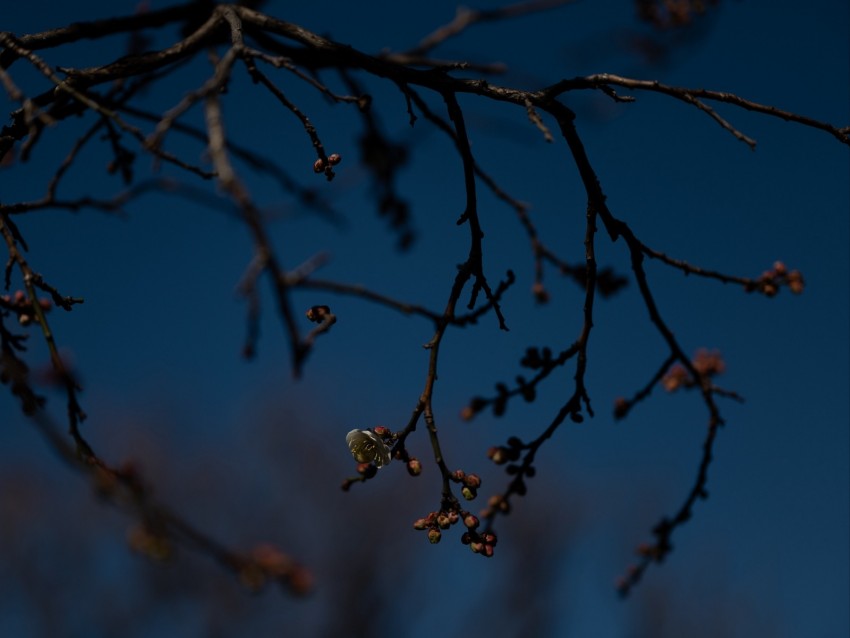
(695, 97)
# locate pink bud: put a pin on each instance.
(414, 467)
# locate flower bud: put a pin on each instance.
(540, 293)
(795, 282)
(475, 406)
(472, 480)
(300, 581)
(367, 470)
(334, 159)
(318, 165)
(434, 536)
(497, 454)
(317, 314)
(621, 407)
(470, 521)
(443, 521)
(468, 493)
(420, 524)
(414, 467)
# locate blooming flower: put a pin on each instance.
(368, 447)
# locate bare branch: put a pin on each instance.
(694, 97)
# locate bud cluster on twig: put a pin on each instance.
(20, 304)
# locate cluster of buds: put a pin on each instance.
(469, 483)
(20, 304)
(321, 165)
(676, 378)
(499, 402)
(707, 363)
(537, 358)
(771, 280)
(501, 454)
(524, 388)
(266, 562)
(519, 471)
(479, 542)
(435, 522)
(318, 314)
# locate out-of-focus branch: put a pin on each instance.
(466, 17)
(231, 184)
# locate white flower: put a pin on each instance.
(368, 447)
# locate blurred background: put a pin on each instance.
(249, 454)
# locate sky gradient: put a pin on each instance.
(158, 340)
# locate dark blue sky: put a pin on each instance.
(158, 340)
